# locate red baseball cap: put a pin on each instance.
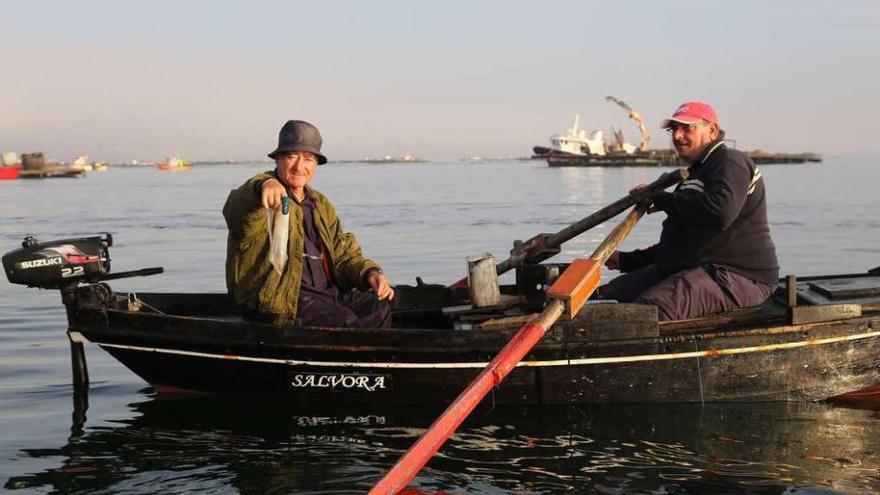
(691, 112)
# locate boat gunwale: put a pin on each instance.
(529, 361)
(481, 341)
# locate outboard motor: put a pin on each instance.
(64, 263)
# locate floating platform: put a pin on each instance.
(761, 157)
(52, 171)
(661, 158)
(35, 166)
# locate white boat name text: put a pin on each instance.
(333, 381)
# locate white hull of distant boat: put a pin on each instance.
(574, 142)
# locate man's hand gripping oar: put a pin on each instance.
(543, 246)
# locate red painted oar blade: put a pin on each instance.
(444, 426)
(569, 294)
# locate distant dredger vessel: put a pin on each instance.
(576, 148)
(574, 143)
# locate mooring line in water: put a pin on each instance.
(558, 362)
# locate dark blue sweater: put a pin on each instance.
(717, 216)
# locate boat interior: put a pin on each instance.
(436, 306)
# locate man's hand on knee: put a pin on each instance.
(379, 283)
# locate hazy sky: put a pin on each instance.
(121, 80)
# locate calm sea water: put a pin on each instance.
(416, 220)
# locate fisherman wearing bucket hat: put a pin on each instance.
(715, 251)
(299, 135)
(323, 279)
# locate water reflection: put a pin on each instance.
(254, 446)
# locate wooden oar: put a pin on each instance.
(567, 295)
(543, 246)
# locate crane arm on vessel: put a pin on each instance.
(643, 146)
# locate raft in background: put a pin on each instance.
(660, 158)
(35, 166)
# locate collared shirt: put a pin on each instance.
(316, 279)
(712, 147)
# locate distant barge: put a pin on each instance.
(575, 148)
(35, 166)
(661, 158)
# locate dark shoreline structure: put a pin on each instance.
(817, 339)
(661, 158)
(385, 159)
(762, 157)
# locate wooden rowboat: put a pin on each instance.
(826, 346)
(817, 338)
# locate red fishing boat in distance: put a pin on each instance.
(10, 166)
(10, 172)
(174, 163)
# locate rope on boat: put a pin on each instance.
(466, 365)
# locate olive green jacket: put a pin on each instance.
(250, 278)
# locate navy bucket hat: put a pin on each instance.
(299, 135)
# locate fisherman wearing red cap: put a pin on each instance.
(715, 252)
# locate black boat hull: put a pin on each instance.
(609, 353)
(771, 363)
(800, 374)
